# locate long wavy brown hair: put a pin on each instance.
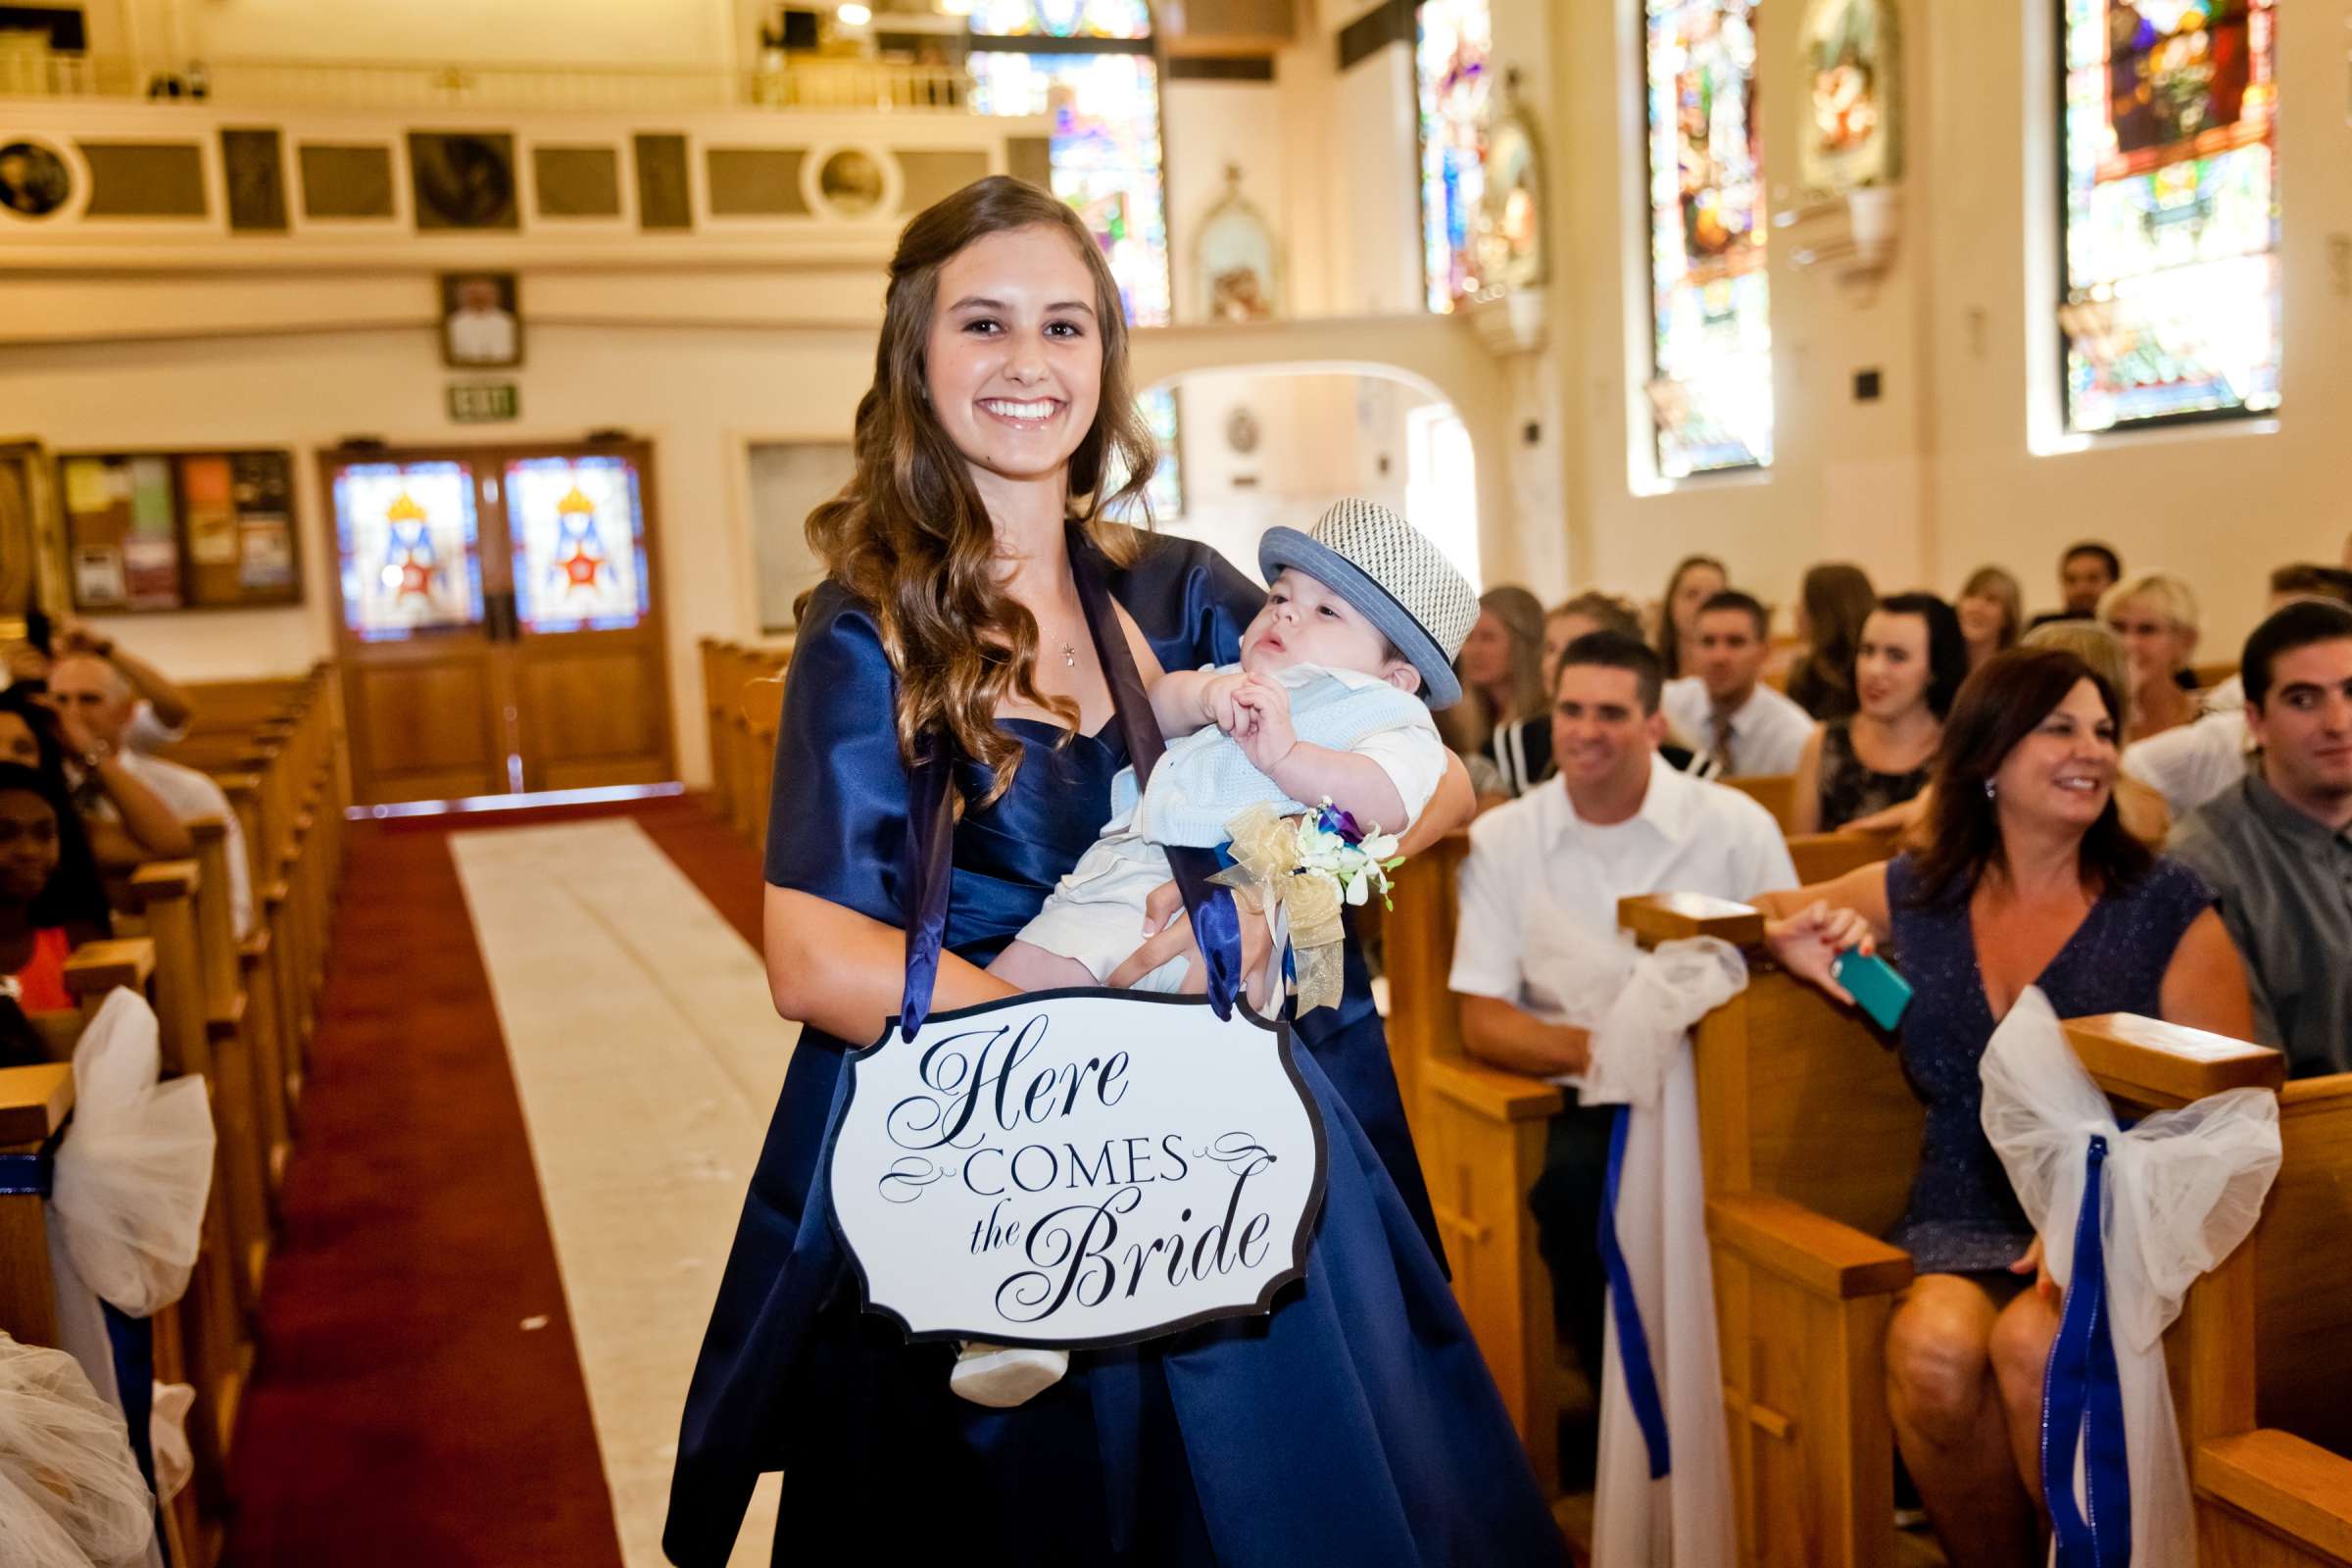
(909, 535)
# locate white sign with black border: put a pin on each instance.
(1077, 1168)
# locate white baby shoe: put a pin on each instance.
(1001, 1375)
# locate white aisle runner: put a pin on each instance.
(648, 1058)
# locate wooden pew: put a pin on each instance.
(35, 1104)
(762, 702)
(1775, 792)
(741, 698)
(2275, 1488)
(718, 657)
(1821, 857)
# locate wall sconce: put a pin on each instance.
(1854, 235)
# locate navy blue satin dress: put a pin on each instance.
(1964, 1217)
(1355, 1424)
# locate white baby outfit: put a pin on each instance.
(1096, 913)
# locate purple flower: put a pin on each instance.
(1331, 819)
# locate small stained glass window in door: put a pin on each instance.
(1711, 391)
(579, 544)
(1063, 19)
(410, 547)
(2171, 302)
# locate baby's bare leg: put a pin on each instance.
(1033, 969)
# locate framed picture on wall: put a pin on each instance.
(179, 530)
(482, 320)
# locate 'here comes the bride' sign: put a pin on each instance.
(1076, 1168)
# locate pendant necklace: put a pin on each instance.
(1069, 655)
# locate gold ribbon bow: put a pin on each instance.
(1266, 872)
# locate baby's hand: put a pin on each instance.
(1265, 736)
(1216, 701)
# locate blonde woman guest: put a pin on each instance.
(1991, 607)
(1906, 674)
(2155, 619)
(1695, 580)
(970, 563)
(2025, 876)
(1588, 612)
(1833, 602)
(1502, 670)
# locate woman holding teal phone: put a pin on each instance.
(2021, 875)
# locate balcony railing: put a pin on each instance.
(802, 84)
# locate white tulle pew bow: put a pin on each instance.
(70, 1495)
(2129, 1219)
(1663, 1484)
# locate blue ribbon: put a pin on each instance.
(1633, 1344)
(2083, 1402)
(29, 1175)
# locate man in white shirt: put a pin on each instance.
(1729, 718)
(93, 689)
(1615, 823)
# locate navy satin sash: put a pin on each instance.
(1633, 1340)
(931, 823)
(2083, 1402)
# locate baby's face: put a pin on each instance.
(1304, 622)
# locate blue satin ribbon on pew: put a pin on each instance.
(931, 821)
(2082, 1403)
(1633, 1342)
(130, 1341)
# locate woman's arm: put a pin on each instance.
(1805, 810)
(147, 820)
(2204, 987)
(1501, 1036)
(845, 973)
(1808, 928)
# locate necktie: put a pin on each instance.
(1723, 746)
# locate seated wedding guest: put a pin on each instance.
(161, 715)
(2155, 619)
(1618, 822)
(1725, 713)
(1501, 671)
(1910, 666)
(2027, 877)
(1991, 607)
(39, 927)
(2278, 847)
(2084, 572)
(135, 824)
(1571, 618)
(1837, 598)
(1695, 580)
(76, 896)
(90, 693)
(2196, 762)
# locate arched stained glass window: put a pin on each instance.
(1106, 108)
(2170, 305)
(1711, 387)
(1450, 63)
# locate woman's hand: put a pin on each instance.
(2033, 1263)
(1171, 937)
(1809, 941)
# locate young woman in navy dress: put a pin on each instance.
(2023, 876)
(1356, 1422)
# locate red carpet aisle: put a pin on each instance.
(403, 1413)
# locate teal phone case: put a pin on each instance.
(1878, 990)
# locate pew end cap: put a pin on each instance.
(2148, 1062)
(1824, 1257)
(1657, 917)
(2293, 1487)
(35, 1101)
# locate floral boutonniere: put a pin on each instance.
(1331, 842)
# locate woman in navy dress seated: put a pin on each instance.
(1356, 1422)
(2025, 877)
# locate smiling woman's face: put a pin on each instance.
(1013, 365)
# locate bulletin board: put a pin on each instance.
(179, 530)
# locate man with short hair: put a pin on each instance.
(1616, 822)
(94, 691)
(2084, 572)
(2278, 846)
(1725, 714)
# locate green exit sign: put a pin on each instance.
(482, 402)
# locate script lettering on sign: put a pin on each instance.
(1074, 1168)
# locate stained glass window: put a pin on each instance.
(1063, 19)
(1450, 61)
(579, 544)
(1711, 393)
(1105, 149)
(2170, 305)
(410, 547)
(1166, 493)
